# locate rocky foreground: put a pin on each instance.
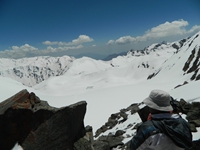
(33, 124)
(191, 110)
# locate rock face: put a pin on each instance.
(107, 142)
(31, 122)
(85, 143)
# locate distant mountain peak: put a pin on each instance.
(186, 60)
(111, 56)
(134, 64)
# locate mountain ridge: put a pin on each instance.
(32, 71)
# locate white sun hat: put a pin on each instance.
(159, 100)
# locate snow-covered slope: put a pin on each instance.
(98, 74)
(31, 71)
(184, 64)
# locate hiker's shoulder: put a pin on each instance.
(147, 126)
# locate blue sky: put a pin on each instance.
(71, 27)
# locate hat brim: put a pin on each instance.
(148, 101)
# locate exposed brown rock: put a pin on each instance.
(31, 122)
(61, 131)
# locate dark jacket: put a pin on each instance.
(163, 132)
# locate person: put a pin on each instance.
(163, 130)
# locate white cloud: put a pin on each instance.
(50, 49)
(110, 42)
(18, 52)
(25, 50)
(194, 29)
(81, 39)
(50, 43)
(166, 29)
(65, 48)
(125, 40)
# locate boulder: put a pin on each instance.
(119, 132)
(61, 131)
(101, 145)
(108, 142)
(85, 143)
(31, 122)
(196, 145)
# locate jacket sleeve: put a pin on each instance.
(143, 133)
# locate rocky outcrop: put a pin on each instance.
(85, 143)
(192, 110)
(31, 122)
(107, 142)
(111, 140)
(117, 118)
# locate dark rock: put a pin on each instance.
(181, 85)
(126, 146)
(124, 115)
(19, 115)
(104, 128)
(114, 116)
(31, 122)
(101, 145)
(108, 141)
(175, 46)
(182, 42)
(194, 112)
(129, 126)
(194, 76)
(61, 131)
(100, 130)
(119, 132)
(187, 64)
(134, 108)
(115, 141)
(85, 143)
(153, 75)
(192, 127)
(198, 77)
(82, 144)
(195, 63)
(88, 128)
(15, 125)
(196, 144)
(195, 122)
(185, 107)
(193, 115)
(111, 123)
